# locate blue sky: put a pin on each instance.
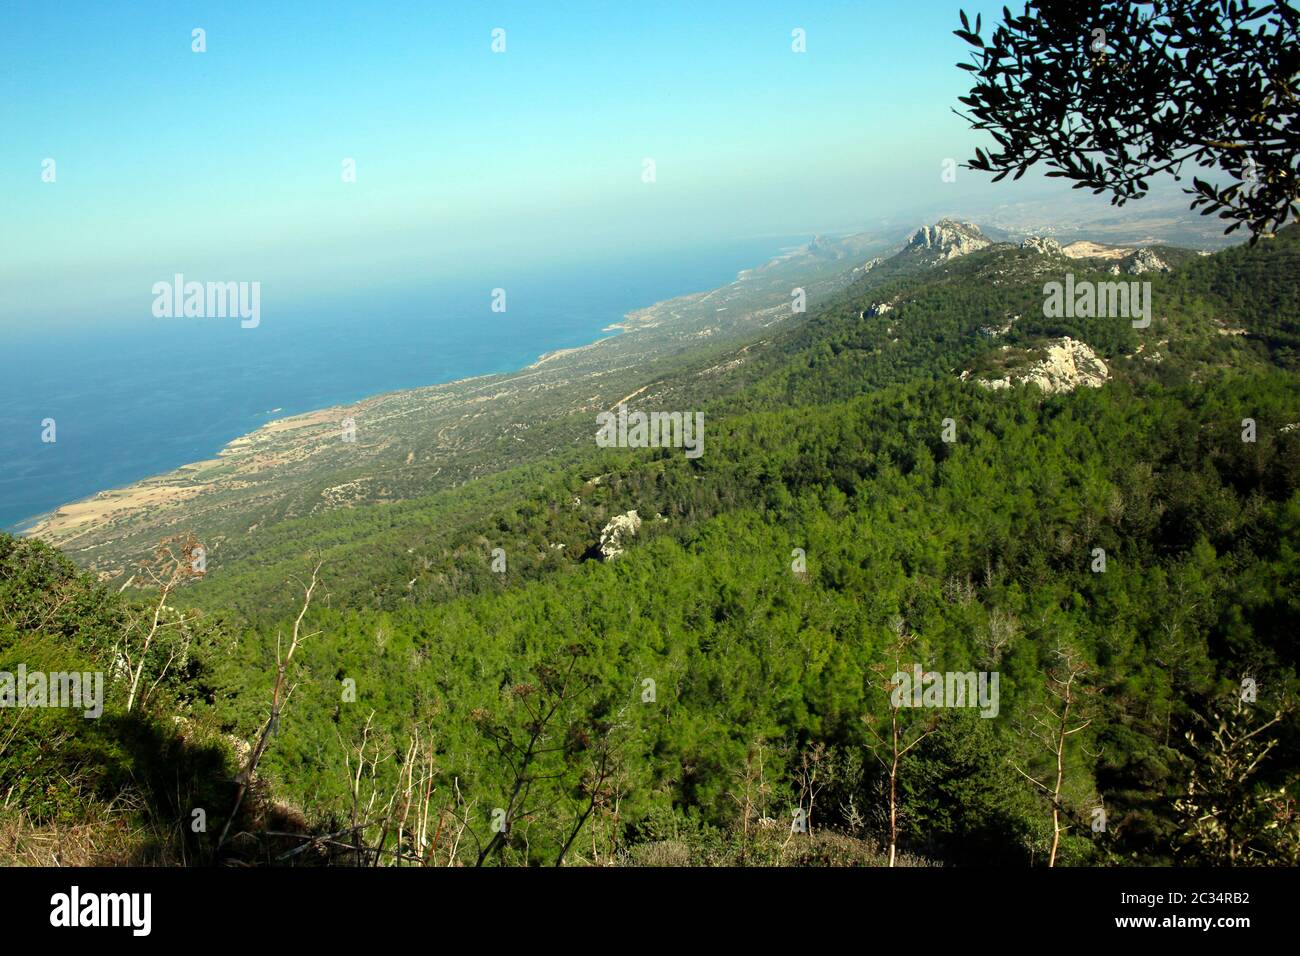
(226, 164)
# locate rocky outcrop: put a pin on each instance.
(1144, 260)
(1066, 365)
(613, 537)
(877, 308)
(992, 331)
(947, 239)
(1042, 245)
(1086, 249)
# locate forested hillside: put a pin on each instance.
(469, 681)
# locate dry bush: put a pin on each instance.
(109, 834)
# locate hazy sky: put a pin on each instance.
(226, 164)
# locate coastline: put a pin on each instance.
(413, 440)
(151, 490)
(405, 349)
(660, 316)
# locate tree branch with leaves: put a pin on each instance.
(1111, 93)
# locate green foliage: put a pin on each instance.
(706, 639)
(1110, 94)
(156, 761)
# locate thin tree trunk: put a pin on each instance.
(1060, 777)
(893, 797)
(272, 725)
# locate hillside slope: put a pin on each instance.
(859, 508)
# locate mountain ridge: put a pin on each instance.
(294, 467)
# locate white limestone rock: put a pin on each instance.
(1066, 364)
(947, 239)
(613, 536)
(1144, 260)
(1043, 245)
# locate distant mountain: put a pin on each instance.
(945, 240)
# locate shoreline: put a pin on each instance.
(634, 319)
(245, 453)
(124, 494)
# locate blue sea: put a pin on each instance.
(133, 396)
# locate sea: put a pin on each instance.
(132, 395)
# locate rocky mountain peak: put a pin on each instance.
(1144, 260)
(1043, 245)
(947, 239)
